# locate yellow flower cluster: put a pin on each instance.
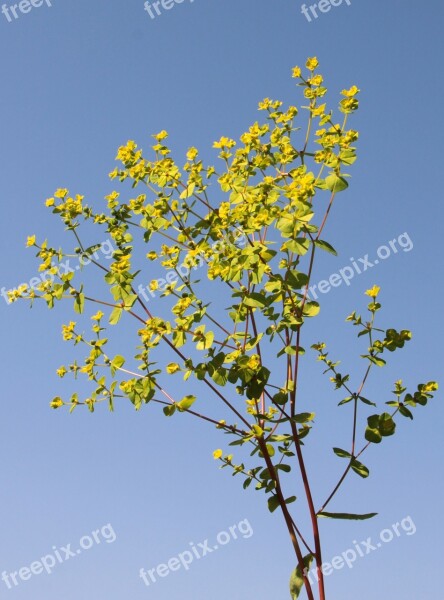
(68, 331)
(126, 153)
(224, 142)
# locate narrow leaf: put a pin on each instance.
(297, 580)
(347, 516)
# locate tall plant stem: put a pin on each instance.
(312, 510)
(287, 517)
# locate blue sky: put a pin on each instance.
(79, 79)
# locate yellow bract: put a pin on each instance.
(192, 153)
(312, 63)
(351, 92)
(373, 292)
(56, 403)
(161, 135)
(61, 193)
(224, 142)
(97, 316)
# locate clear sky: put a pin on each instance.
(81, 77)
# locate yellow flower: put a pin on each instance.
(373, 292)
(319, 110)
(265, 104)
(97, 316)
(316, 80)
(49, 202)
(68, 331)
(217, 454)
(152, 255)
(172, 368)
(56, 403)
(192, 153)
(61, 372)
(125, 153)
(224, 142)
(61, 193)
(312, 63)
(296, 72)
(161, 135)
(113, 196)
(30, 241)
(154, 284)
(254, 361)
(351, 92)
(349, 104)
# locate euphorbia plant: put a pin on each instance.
(240, 337)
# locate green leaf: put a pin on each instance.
(247, 483)
(282, 467)
(365, 401)
(405, 411)
(296, 280)
(280, 398)
(255, 300)
(380, 362)
(346, 400)
(299, 245)
(273, 503)
(169, 410)
(373, 435)
(335, 183)
(359, 468)
(186, 403)
(387, 426)
(311, 309)
(297, 580)
(130, 300)
(347, 516)
(116, 363)
(257, 430)
(219, 376)
(115, 316)
(348, 156)
(79, 303)
(342, 453)
(179, 338)
(326, 246)
(188, 191)
(271, 450)
(206, 342)
(303, 417)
